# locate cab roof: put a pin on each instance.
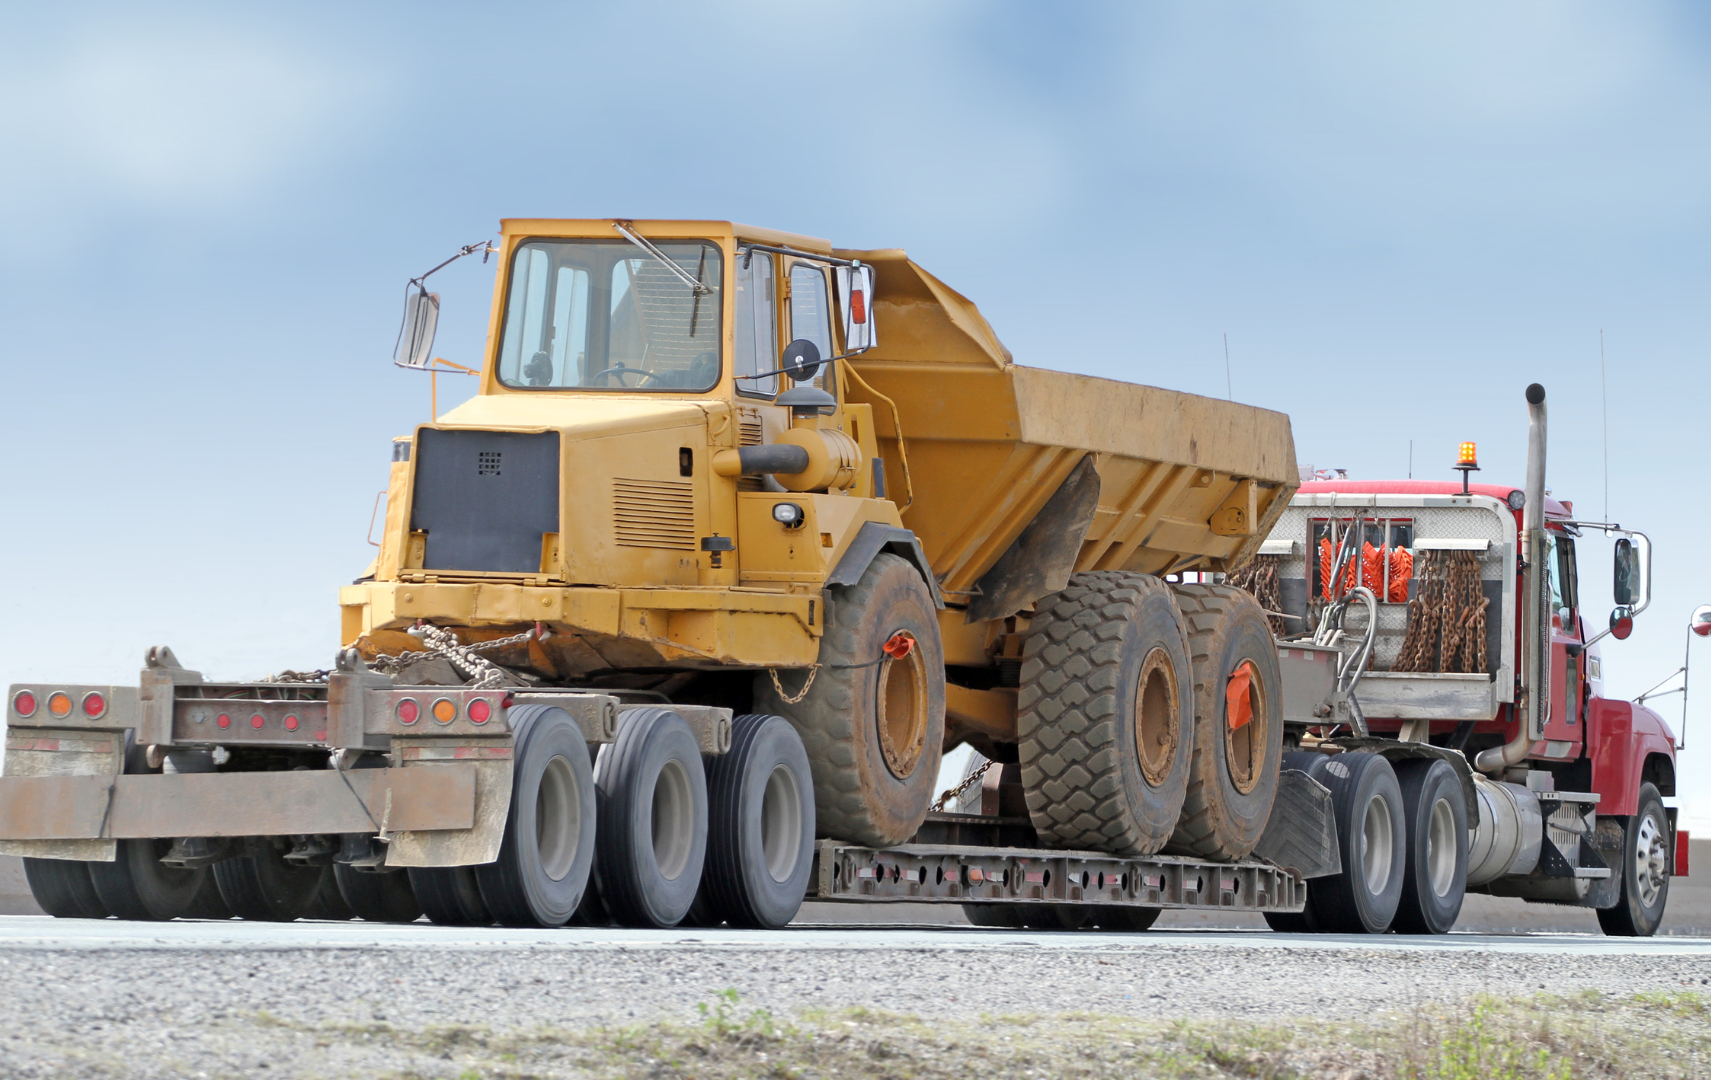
(1553, 507)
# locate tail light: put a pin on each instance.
(223, 720)
(94, 704)
(24, 703)
(59, 703)
(407, 712)
(291, 723)
(480, 711)
(445, 710)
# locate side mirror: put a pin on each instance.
(855, 297)
(801, 360)
(1621, 624)
(416, 336)
(1626, 575)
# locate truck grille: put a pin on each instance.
(749, 431)
(485, 498)
(654, 513)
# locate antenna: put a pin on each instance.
(1604, 391)
(1410, 459)
(1229, 387)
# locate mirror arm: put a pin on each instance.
(786, 371)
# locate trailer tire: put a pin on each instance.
(136, 885)
(1128, 917)
(547, 852)
(653, 819)
(1002, 916)
(1366, 803)
(260, 886)
(1645, 871)
(1232, 778)
(450, 895)
(1105, 715)
(760, 828)
(378, 895)
(874, 732)
(63, 889)
(1434, 878)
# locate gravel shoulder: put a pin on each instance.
(457, 1011)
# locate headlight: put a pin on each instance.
(788, 515)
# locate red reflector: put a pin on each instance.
(24, 703)
(223, 720)
(408, 711)
(858, 307)
(479, 710)
(290, 723)
(94, 704)
(1680, 869)
(256, 721)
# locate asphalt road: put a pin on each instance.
(31, 933)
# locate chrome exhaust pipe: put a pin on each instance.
(1535, 704)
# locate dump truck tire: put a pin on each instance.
(378, 895)
(1232, 777)
(760, 827)
(1434, 874)
(873, 726)
(63, 889)
(653, 819)
(1639, 907)
(136, 885)
(450, 895)
(1366, 803)
(1105, 715)
(548, 848)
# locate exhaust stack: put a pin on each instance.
(1535, 704)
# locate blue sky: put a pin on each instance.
(1399, 215)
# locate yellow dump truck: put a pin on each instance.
(740, 534)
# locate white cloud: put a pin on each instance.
(164, 119)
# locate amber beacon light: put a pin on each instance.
(1467, 461)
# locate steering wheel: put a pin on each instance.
(620, 371)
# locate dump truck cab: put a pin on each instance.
(601, 480)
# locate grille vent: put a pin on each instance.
(749, 431)
(487, 463)
(654, 513)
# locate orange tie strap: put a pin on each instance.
(1238, 705)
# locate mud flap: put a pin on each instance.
(1301, 835)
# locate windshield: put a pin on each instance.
(605, 315)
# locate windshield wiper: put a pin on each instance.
(665, 260)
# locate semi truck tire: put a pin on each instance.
(63, 889)
(760, 829)
(261, 886)
(1434, 877)
(450, 895)
(1644, 871)
(136, 885)
(1105, 715)
(1232, 777)
(653, 819)
(547, 851)
(873, 724)
(1127, 917)
(1366, 803)
(377, 895)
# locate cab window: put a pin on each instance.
(811, 314)
(757, 324)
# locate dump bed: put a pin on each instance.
(1167, 482)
